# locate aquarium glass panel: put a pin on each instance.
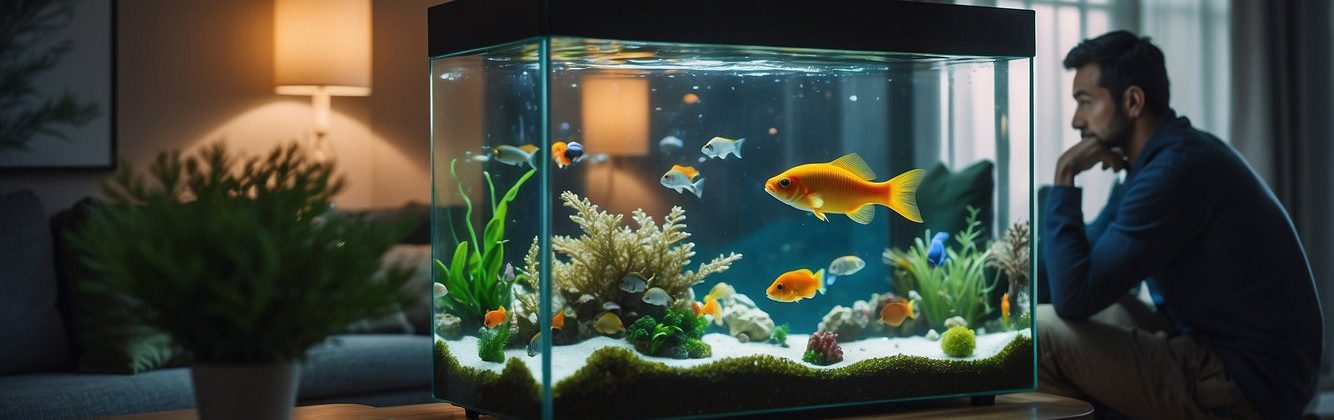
(727, 229)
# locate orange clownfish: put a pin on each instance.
(894, 313)
(845, 186)
(495, 317)
(796, 285)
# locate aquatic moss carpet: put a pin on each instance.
(618, 384)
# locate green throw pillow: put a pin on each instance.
(106, 338)
(943, 198)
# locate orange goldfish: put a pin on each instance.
(495, 317)
(712, 307)
(696, 308)
(558, 321)
(796, 285)
(894, 313)
(845, 186)
(558, 154)
(690, 99)
(1005, 308)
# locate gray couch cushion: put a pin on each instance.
(34, 336)
(70, 395)
(353, 367)
(358, 364)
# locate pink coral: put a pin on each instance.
(823, 349)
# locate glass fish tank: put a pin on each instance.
(695, 209)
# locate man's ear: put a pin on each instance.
(1132, 101)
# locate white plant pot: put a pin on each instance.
(260, 392)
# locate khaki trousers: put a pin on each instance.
(1122, 361)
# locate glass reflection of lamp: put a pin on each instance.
(615, 116)
(322, 48)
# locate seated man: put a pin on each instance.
(1237, 326)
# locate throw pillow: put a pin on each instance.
(34, 334)
(944, 197)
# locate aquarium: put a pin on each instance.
(689, 208)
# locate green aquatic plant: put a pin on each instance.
(473, 274)
(958, 287)
(676, 329)
(779, 336)
(958, 342)
(491, 346)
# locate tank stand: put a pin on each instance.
(983, 400)
(474, 415)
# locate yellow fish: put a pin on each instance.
(609, 324)
(894, 313)
(495, 317)
(796, 285)
(845, 186)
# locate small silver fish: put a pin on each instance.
(516, 156)
(535, 344)
(656, 296)
(633, 283)
(685, 178)
(438, 290)
(670, 144)
(719, 147)
(843, 266)
(592, 158)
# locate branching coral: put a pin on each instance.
(596, 262)
(823, 349)
(1011, 255)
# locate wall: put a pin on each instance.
(194, 72)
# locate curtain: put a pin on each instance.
(1282, 123)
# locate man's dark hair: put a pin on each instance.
(1125, 60)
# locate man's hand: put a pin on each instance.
(1084, 155)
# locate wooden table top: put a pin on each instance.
(1012, 406)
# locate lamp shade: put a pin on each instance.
(322, 44)
(616, 115)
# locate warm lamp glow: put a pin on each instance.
(615, 115)
(322, 48)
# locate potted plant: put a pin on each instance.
(242, 264)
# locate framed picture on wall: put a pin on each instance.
(62, 113)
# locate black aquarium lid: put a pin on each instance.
(859, 25)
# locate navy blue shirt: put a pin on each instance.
(1224, 259)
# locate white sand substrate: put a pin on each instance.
(568, 359)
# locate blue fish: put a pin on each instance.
(936, 254)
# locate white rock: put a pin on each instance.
(932, 335)
(754, 323)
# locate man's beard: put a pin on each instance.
(1118, 133)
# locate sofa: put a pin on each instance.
(41, 375)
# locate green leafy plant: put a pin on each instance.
(473, 274)
(239, 262)
(958, 287)
(779, 336)
(677, 329)
(26, 28)
(491, 347)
